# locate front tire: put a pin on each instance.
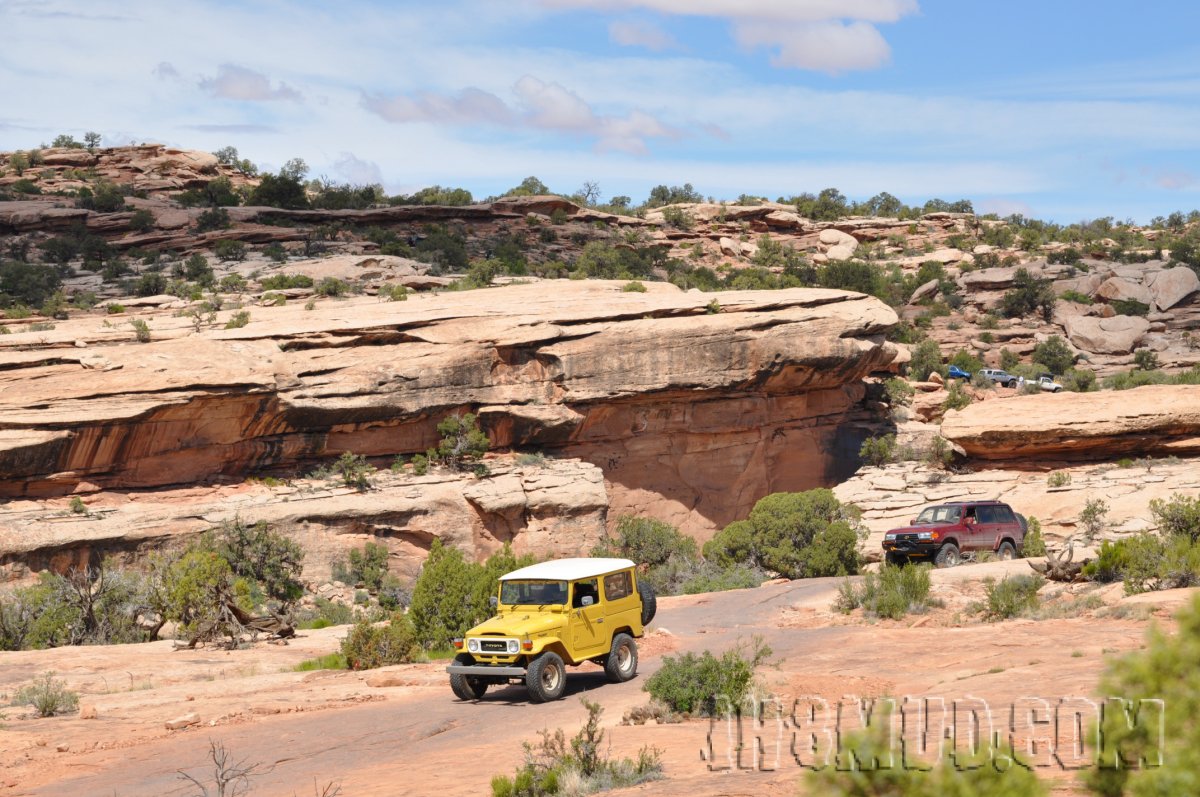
(948, 556)
(467, 687)
(1006, 552)
(546, 678)
(622, 661)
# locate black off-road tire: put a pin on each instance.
(897, 559)
(621, 664)
(1006, 552)
(467, 687)
(948, 556)
(546, 678)
(649, 601)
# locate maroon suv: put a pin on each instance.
(943, 533)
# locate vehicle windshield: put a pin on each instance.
(537, 593)
(940, 514)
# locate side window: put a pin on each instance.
(1004, 515)
(986, 514)
(582, 589)
(617, 586)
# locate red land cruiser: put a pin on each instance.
(943, 533)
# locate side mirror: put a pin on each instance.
(494, 601)
(912, 522)
(586, 600)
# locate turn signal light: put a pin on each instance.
(527, 644)
(458, 643)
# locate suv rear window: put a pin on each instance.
(617, 586)
(986, 514)
(1005, 515)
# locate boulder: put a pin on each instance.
(1172, 286)
(1120, 289)
(840, 252)
(185, 721)
(1120, 334)
(945, 255)
(832, 237)
(730, 247)
(928, 289)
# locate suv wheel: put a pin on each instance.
(467, 687)
(622, 661)
(1006, 552)
(546, 678)
(948, 556)
(649, 602)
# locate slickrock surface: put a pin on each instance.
(692, 415)
(1156, 419)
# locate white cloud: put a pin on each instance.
(641, 34)
(238, 83)
(830, 46)
(824, 35)
(166, 71)
(539, 105)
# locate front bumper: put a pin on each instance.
(916, 549)
(483, 669)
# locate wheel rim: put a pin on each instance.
(951, 558)
(551, 677)
(624, 658)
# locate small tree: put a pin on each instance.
(1092, 517)
(1028, 294)
(1145, 360)
(926, 359)
(271, 559)
(92, 140)
(462, 441)
(1055, 354)
(441, 601)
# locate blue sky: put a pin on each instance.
(1064, 110)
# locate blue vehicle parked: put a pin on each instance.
(957, 373)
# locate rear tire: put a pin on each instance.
(1006, 552)
(897, 559)
(948, 556)
(649, 601)
(546, 678)
(467, 687)
(622, 661)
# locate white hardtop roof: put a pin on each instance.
(568, 569)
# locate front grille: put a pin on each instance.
(488, 646)
(906, 538)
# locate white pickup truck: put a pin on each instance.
(1046, 382)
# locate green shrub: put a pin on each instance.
(276, 252)
(798, 535)
(956, 397)
(581, 761)
(1079, 380)
(633, 287)
(1027, 295)
(213, 219)
(647, 542)
(1178, 517)
(368, 646)
(1075, 296)
(227, 251)
(926, 359)
(393, 293)
(331, 286)
(420, 464)
(1145, 360)
(354, 470)
(1165, 670)
(947, 778)
(1035, 543)
(899, 392)
(452, 595)
(327, 613)
(878, 451)
(709, 577)
(1130, 307)
(1060, 478)
(704, 685)
(1012, 596)
(1055, 354)
(141, 330)
(48, 695)
(330, 661)
(367, 565)
(462, 441)
(895, 592)
(238, 320)
(1092, 516)
(279, 282)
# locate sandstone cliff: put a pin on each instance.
(691, 414)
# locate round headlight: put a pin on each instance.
(513, 646)
(473, 645)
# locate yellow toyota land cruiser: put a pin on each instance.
(552, 614)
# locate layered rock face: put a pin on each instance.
(1157, 420)
(691, 414)
(555, 508)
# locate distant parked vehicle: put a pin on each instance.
(1046, 382)
(957, 373)
(1000, 377)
